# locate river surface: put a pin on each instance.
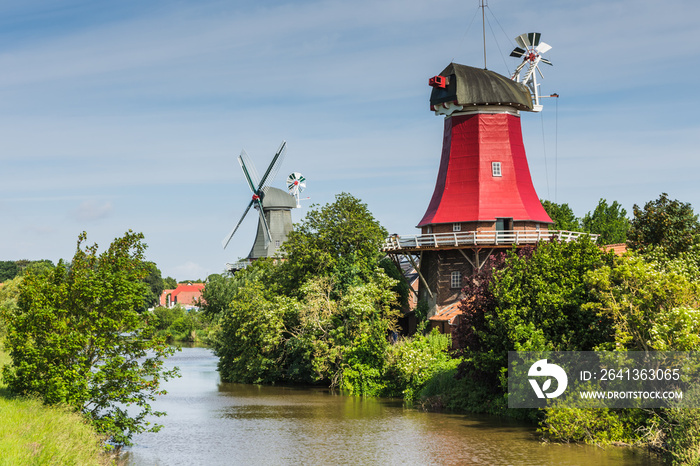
(215, 423)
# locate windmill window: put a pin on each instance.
(456, 227)
(277, 243)
(496, 168)
(456, 279)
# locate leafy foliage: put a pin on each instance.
(412, 362)
(608, 221)
(669, 224)
(530, 300)
(651, 309)
(340, 240)
(77, 339)
(169, 283)
(8, 270)
(562, 216)
(322, 315)
(155, 286)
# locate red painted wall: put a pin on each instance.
(466, 190)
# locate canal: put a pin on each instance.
(214, 423)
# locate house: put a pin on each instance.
(187, 295)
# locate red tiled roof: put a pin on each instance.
(190, 287)
(447, 313)
(618, 249)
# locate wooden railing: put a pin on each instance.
(238, 265)
(477, 238)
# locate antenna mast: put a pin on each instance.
(483, 26)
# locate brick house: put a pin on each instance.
(187, 295)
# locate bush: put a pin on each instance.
(413, 361)
(167, 316)
(598, 426)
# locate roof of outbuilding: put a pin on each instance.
(471, 86)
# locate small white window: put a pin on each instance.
(277, 243)
(456, 279)
(496, 168)
(429, 229)
(456, 227)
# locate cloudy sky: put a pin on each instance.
(129, 114)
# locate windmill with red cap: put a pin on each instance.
(484, 198)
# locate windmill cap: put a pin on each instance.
(469, 86)
(277, 199)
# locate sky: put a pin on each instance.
(126, 114)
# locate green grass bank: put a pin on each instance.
(34, 434)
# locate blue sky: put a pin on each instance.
(126, 114)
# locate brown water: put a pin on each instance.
(214, 423)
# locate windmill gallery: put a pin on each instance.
(484, 199)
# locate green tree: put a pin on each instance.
(9, 292)
(77, 339)
(669, 224)
(250, 343)
(156, 285)
(169, 283)
(652, 309)
(532, 300)
(608, 221)
(562, 216)
(322, 315)
(36, 266)
(341, 239)
(8, 270)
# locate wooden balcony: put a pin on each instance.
(468, 239)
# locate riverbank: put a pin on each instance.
(31, 433)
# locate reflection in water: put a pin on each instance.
(213, 423)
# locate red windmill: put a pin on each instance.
(484, 198)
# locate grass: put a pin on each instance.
(34, 434)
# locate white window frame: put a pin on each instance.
(456, 227)
(456, 279)
(496, 169)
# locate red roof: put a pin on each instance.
(448, 313)
(466, 190)
(617, 249)
(186, 294)
(190, 287)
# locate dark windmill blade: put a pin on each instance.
(263, 220)
(258, 188)
(226, 240)
(517, 52)
(544, 60)
(534, 38)
(258, 194)
(244, 160)
(274, 166)
(246, 172)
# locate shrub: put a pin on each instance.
(413, 361)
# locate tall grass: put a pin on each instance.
(31, 433)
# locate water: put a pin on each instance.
(214, 423)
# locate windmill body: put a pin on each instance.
(274, 208)
(277, 206)
(484, 199)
